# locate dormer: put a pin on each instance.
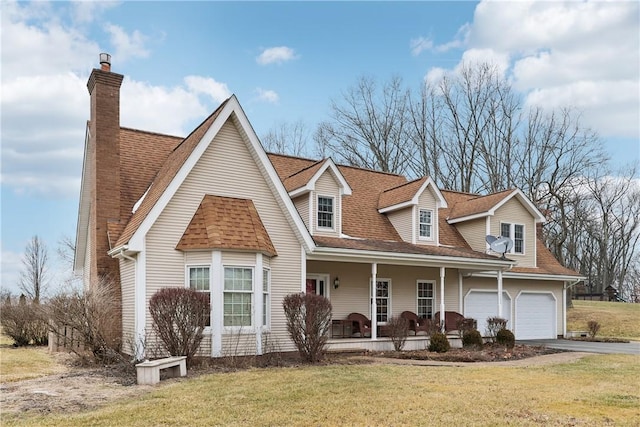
(412, 208)
(317, 192)
(508, 213)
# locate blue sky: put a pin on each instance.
(285, 61)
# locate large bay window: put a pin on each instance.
(266, 281)
(199, 280)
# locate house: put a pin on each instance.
(215, 212)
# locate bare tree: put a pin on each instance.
(288, 138)
(367, 127)
(33, 277)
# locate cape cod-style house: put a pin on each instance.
(215, 212)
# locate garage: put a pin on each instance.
(536, 315)
(481, 304)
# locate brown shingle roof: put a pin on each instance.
(165, 175)
(547, 264)
(227, 223)
(400, 194)
(477, 205)
(399, 247)
(302, 177)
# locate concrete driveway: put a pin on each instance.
(632, 347)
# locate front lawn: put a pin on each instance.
(618, 320)
(596, 390)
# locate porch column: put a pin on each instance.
(500, 293)
(258, 297)
(374, 302)
(442, 314)
(216, 287)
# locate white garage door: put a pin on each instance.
(535, 316)
(480, 305)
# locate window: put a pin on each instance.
(325, 212)
(516, 233)
(238, 290)
(266, 279)
(383, 300)
(199, 281)
(426, 224)
(425, 299)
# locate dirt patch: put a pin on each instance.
(82, 388)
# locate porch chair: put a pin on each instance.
(416, 324)
(361, 325)
(451, 319)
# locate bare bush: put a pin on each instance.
(308, 321)
(594, 327)
(465, 325)
(179, 318)
(398, 331)
(25, 323)
(94, 316)
(494, 325)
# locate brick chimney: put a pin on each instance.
(104, 158)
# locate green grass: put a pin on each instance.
(596, 390)
(618, 320)
(21, 363)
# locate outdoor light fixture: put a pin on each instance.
(336, 283)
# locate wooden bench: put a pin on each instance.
(148, 372)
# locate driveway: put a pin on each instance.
(632, 347)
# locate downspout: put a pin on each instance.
(137, 338)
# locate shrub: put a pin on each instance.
(93, 317)
(398, 331)
(495, 324)
(308, 321)
(25, 323)
(594, 328)
(433, 327)
(179, 318)
(466, 324)
(472, 339)
(506, 338)
(439, 343)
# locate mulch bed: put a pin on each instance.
(488, 353)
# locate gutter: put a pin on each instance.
(119, 252)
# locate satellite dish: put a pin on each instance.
(500, 244)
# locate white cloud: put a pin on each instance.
(573, 54)
(268, 96)
(276, 55)
(127, 45)
(419, 45)
(208, 86)
(87, 11)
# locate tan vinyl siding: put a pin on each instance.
(227, 168)
(127, 283)
(197, 258)
(427, 200)
(401, 221)
(514, 213)
(326, 185)
(514, 286)
(475, 233)
(302, 205)
(86, 271)
(244, 259)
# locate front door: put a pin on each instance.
(317, 284)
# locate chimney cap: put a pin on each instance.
(105, 61)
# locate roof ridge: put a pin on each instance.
(405, 183)
(220, 107)
(150, 132)
(307, 167)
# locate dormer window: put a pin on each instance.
(325, 212)
(426, 224)
(516, 233)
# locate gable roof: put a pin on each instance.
(304, 180)
(226, 223)
(184, 157)
(408, 194)
(473, 207)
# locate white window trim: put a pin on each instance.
(433, 298)
(241, 329)
(187, 278)
(389, 298)
(512, 234)
(333, 213)
(425, 238)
